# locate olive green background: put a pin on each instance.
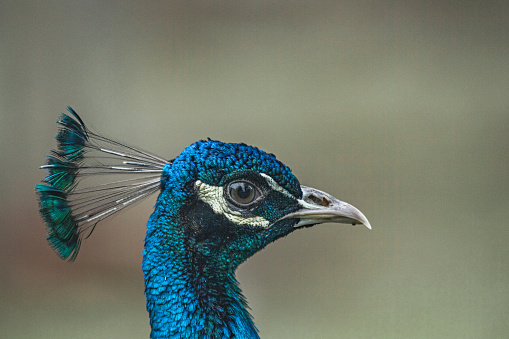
(398, 107)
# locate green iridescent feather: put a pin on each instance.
(63, 233)
(62, 170)
(67, 204)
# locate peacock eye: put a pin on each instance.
(243, 193)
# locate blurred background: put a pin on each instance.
(398, 107)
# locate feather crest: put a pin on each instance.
(69, 203)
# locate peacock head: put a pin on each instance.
(218, 204)
(234, 199)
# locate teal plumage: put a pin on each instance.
(62, 168)
(218, 205)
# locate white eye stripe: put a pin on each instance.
(214, 197)
(275, 186)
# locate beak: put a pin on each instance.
(318, 207)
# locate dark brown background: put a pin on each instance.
(399, 107)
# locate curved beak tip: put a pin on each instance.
(358, 216)
(367, 224)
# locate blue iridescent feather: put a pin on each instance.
(175, 250)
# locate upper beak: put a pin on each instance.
(318, 207)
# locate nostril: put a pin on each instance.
(326, 202)
(321, 201)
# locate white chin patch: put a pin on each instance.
(214, 197)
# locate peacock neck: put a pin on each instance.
(188, 295)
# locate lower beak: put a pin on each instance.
(319, 207)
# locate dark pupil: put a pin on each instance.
(242, 192)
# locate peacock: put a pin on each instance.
(218, 204)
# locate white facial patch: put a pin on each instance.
(214, 197)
